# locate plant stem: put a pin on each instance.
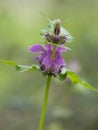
(44, 103)
(53, 52)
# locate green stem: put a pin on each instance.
(44, 103)
(53, 52)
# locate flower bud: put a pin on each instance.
(56, 39)
(56, 31)
(48, 37)
(63, 39)
(57, 25)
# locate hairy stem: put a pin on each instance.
(53, 52)
(44, 103)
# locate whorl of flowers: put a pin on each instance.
(50, 54)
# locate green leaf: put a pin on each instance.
(63, 74)
(75, 79)
(12, 63)
(21, 68)
(67, 48)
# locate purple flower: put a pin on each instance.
(56, 39)
(47, 64)
(48, 37)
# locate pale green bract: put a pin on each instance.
(64, 32)
(50, 30)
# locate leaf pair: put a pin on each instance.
(62, 76)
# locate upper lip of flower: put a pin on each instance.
(48, 47)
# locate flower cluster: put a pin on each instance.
(50, 57)
(55, 33)
(56, 37)
(47, 64)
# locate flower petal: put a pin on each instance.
(36, 48)
(47, 60)
(61, 49)
(59, 60)
(47, 65)
(48, 47)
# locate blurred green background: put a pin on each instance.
(70, 107)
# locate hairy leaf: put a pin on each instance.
(75, 79)
(21, 68)
(12, 63)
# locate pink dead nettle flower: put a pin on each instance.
(47, 64)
